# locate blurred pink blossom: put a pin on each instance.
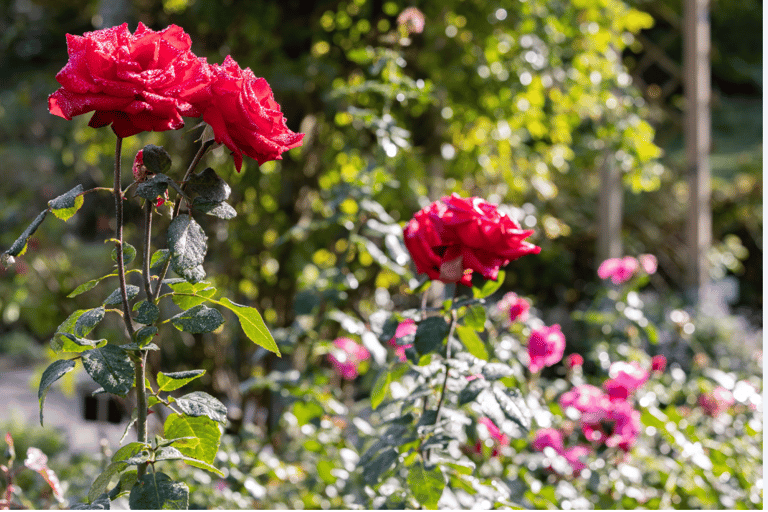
(658, 363)
(347, 356)
(625, 377)
(494, 431)
(716, 402)
(574, 360)
(589, 400)
(412, 19)
(548, 437)
(545, 347)
(405, 328)
(620, 270)
(574, 456)
(649, 263)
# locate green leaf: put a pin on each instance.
(99, 503)
(71, 343)
(124, 485)
(20, 245)
(380, 388)
(378, 465)
(221, 210)
(471, 390)
(116, 298)
(188, 245)
(79, 324)
(252, 324)
(475, 317)
(199, 403)
(128, 451)
(489, 287)
(175, 380)
(209, 186)
(99, 485)
(204, 432)
(472, 341)
(427, 484)
(156, 491)
(430, 334)
(198, 320)
(158, 259)
(154, 186)
(155, 158)
(148, 313)
(88, 285)
(145, 335)
(136, 347)
(66, 205)
(306, 411)
(184, 291)
(171, 453)
(54, 372)
(129, 253)
(111, 367)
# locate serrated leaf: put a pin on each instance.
(156, 491)
(204, 432)
(198, 404)
(79, 324)
(377, 466)
(430, 334)
(427, 484)
(221, 210)
(472, 341)
(175, 380)
(380, 388)
(99, 485)
(20, 245)
(158, 259)
(129, 253)
(155, 158)
(148, 313)
(489, 287)
(187, 244)
(54, 372)
(116, 298)
(198, 320)
(209, 186)
(66, 205)
(111, 367)
(252, 324)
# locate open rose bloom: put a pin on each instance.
(454, 237)
(347, 356)
(545, 347)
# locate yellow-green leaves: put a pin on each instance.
(66, 205)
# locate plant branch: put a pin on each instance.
(119, 239)
(447, 354)
(147, 241)
(140, 364)
(177, 205)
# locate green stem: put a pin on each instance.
(140, 365)
(177, 205)
(119, 237)
(147, 241)
(447, 354)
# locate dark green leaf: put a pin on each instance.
(471, 390)
(154, 186)
(54, 372)
(135, 347)
(158, 259)
(188, 245)
(156, 491)
(129, 253)
(252, 324)
(209, 186)
(66, 205)
(99, 503)
(99, 485)
(389, 329)
(204, 432)
(380, 388)
(378, 466)
(489, 287)
(156, 159)
(124, 485)
(199, 403)
(175, 380)
(430, 334)
(78, 324)
(148, 313)
(198, 320)
(221, 210)
(20, 245)
(475, 317)
(145, 335)
(472, 341)
(111, 367)
(115, 297)
(427, 484)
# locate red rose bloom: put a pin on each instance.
(453, 237)
(137, 82)
(245, 116)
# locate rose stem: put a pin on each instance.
(147, 241)
(447, 353)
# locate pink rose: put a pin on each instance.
(347, 356)
(648, 262)
(412, 19)
(716, 402)
(518, 309)
(620, 270)
(451, 238)
(145, 81)
(626, 425)
(658, 363)
(545, 347)
(589, 400)
(624, 379)
(494, 431)
(404, 328)
(574, 455)
(573, 361)
(548, 437)
(245, 116)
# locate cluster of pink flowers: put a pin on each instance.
(404, 328)
(347, 356)
(553, 438)
(148, 81)
(621, 270)
(545, 347)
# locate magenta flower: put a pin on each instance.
(545, 347)
(716, 402)
(518, 309)
(405, 328)
(589, 400)
(494, 431)
(658, 363)
(648, 262)
(574, 360)
(624, 379)
(574, 455)
(347, 356)
(548, 437)
(620, 270)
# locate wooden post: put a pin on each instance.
(697, 133)
(610, 205)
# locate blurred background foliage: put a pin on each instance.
(519, 102)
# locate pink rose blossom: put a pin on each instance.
(412, 19)
(574, 360)
(589, 400)
(548, 437)
(405, 328)
(625, 378)
(716, 402)
(347, 356)
(494, 431)
(518, 309)
(545, 347)
(658, 363)
(574, 456)
(649, 263)
(620, 270)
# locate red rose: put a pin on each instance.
(574, 360)
(453, 237)
(658, 363)
(245, 116)
(137, 82)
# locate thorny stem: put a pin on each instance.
(147, 240)
(119, 237)
(177, 205)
